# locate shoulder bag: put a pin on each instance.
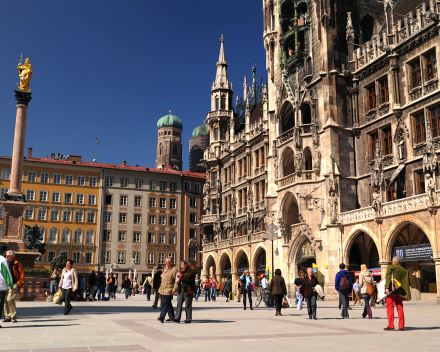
(370, 288)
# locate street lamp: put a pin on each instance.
(272, 234)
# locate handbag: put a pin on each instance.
(285, 303)
(57, 297)
(370, 288)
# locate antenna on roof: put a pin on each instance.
(96, 143)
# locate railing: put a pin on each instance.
(208, 218)
(356, 215)
(209, 247)
(406, 204)
(259, 236)
(286, 181)
(306, 128)
(240, 240)
(285, 136)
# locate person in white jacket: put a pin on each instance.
(5, 278)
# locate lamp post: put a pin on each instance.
(272, 234)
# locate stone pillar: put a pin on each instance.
(23, 99)
(437, 278)
(383, 269)
(254, 277)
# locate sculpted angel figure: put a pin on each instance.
(333, 202)
(377, 203)
(25, 72)
(430, 188)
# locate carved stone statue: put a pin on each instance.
(25, 72)
(34, 236)
(317, 161)
(298, 162)
(333, 203)
(315, 135)
(206, 197)
(297, 137)
(233, 205)
(377, 176)
(377, 203)
(349, 27)
(251, 201)
(401, 145)
(430, 188)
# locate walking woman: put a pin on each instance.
(227, 288)
(307, 290)
(278, 290)
(246, 288)
(364, 277)
(68, 284)
(54, 282)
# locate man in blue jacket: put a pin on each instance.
(344, 286)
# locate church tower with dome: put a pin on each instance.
(169, 142)
(197, 145)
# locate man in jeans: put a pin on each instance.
(344, 286)
(298, 282)
(167, 288)
(357, 293)
(214, 283)
(5, 278)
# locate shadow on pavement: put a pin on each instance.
(427, 328)
(212, 321)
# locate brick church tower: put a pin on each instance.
(169, 142)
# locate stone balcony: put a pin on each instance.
(290, 180)
(206, 219)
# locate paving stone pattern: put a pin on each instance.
(131, 325)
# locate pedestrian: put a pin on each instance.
(357, 293)
(54, 282)
(134, 287)
(157, 279)
(186, 287)
(222, 289)
(115, 286)
(167, 288)
(110, 286)
(207, 289)
(126, 286)
(17, 273)
(214, 283)
(237, 287)
(344, 286)
(100, 283)
(298, 281)
(92, 284)
(308, 291)
(68, 284)
(147, 285)
(198, 287)
(366, 277)
(246, 288)
(278, 290)
(6, 281)
(227, 288)
(264, 283)
(398, 287)
(82, 286)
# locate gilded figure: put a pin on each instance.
(25, 72)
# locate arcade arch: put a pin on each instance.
(287, 162)
(287, 117)
(209, 266)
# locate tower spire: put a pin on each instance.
(221, 77)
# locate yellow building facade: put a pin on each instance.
(63, 197)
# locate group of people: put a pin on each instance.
(187, 285)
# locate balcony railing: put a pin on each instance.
(208, 218)
(285, 136)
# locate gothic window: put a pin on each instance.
(371, 97)
(415, 73)
(217, 103)
(216, 134)
(308, 159)
(373, 141)
(306, 115)
(257, 159)
(367, 25)
(160, 150)
(431, 65)
(387, 141)
(419, 127)
(391, 192)
(214, 178)
(223, 133)
(223, 103)
(287, 118)
(435, 121)
(420, 182)
(383, 88)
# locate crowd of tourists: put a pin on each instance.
(188, 286)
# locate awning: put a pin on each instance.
(395, 174)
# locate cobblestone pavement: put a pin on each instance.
(131, 325)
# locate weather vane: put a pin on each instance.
(25, 72)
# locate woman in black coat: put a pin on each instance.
(307, 290)
(278, 290)
(227, 288)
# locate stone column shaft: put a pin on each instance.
(18, 151)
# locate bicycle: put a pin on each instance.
(265, 296)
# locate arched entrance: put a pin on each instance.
(225, 265)
(361, 250)
(413, 246)
(260, 262)
(290, 213)
(305, 258)
(241, 262)
(209, 266)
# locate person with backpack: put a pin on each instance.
(366, 283)
(147, 285)
(100, 283)
(344, 286)
(307, 290)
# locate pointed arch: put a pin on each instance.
(353, 236)
(241, 254)
(307, 159)
(209, 262)
(287, 162)
(287, 120)
(289, 210)
(224, 257)
(257, 252)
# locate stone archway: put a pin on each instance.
(361, 248)
(259, 262)
(289, 214)
(241, 262)
(209, 266)
(225, 264)
(287, 120)
(287, 162)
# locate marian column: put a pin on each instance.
(14, 201)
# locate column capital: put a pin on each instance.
(23, 98)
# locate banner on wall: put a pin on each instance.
(411, 253)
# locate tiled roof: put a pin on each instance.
(113, 166)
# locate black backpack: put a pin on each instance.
(344, 284)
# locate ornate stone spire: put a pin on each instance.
(221, 77)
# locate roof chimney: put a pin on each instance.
(29, 152)
(124, 163)
(52, 156)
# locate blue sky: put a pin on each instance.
(115, 67)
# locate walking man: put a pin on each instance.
(167, 288)
(264, 283)
(92, 284)
(298, 282)
(227, 288)
(186, 287)
(147, 285)
(198, 287)
(214, 283)
(157, 280)
(6, 281)
(398, 283)
(16, 270)
(344, 286)
(356, 289)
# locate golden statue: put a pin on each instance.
(25, 72)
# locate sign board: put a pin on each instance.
(410, 253)
(227, 271)
(374, 273)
